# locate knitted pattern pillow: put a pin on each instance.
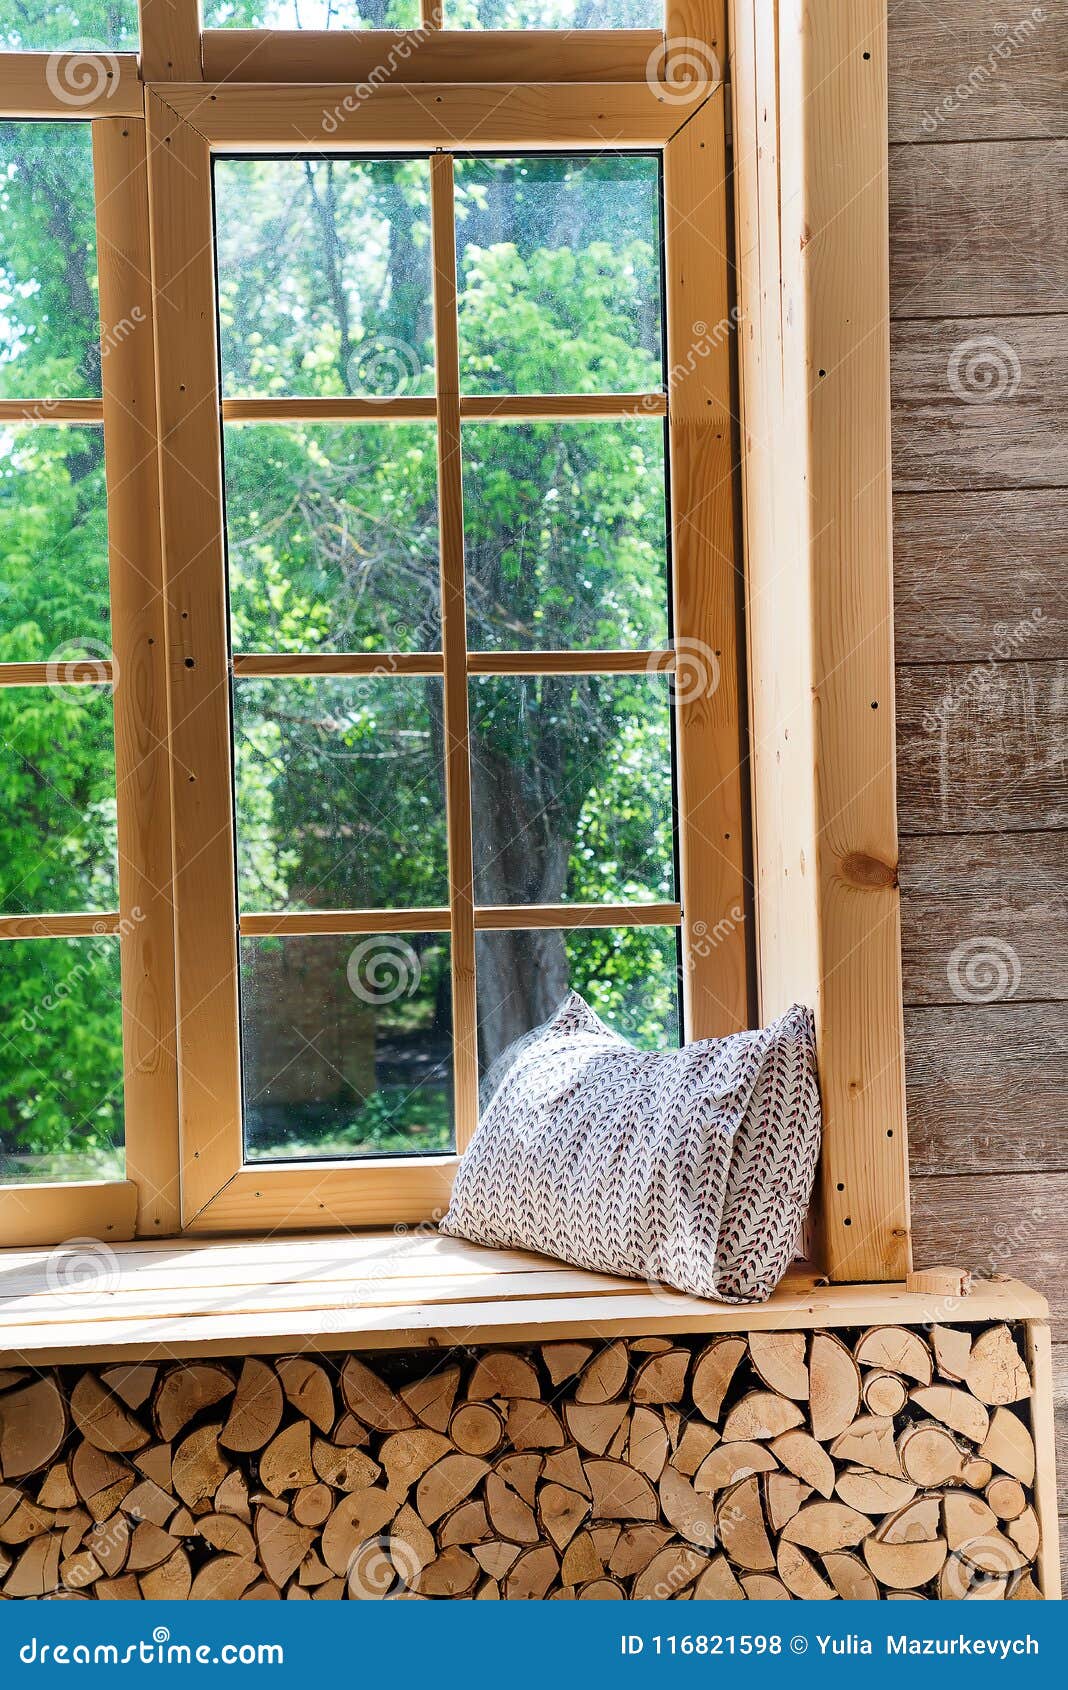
(690, 1168)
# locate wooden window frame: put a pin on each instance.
(807, 106)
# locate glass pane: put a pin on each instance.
(559, 267)
(72, 24)
(340, 793)
(324, 276)
(53, 544)
(310, 14)
(57, 799)
(553, 14)
(628, 975)
(571, 789)
(332, 536)
(565, 533)
(61, 1114)
(347, 1045)
(49, 320)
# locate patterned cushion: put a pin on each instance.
(689, 1168)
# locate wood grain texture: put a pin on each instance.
(39, 1214)
(980, 574)
(1003, 892)
(979, 229)
(1060, 1410)
(307, 55)
(982, 749)
(42, 85)
(974, 70)
(986, 1090)
(996, 1223)
(980, 402)
(170, 40)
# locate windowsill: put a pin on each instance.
(392, 1290)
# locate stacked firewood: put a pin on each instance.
(862, 1465)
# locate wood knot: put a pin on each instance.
(858, 869)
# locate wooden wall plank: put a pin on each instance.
(986, 1088)
(996, 1224)
(971, 570)
(979, 229)
(981, 748)
(998, 893)
(980, 402)
(975, 69)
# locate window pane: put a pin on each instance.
(559, 268)
(332, 536)
(553, 14)
(340, 793)
(49, 320)
(61, 1114)
(72, 24)
(57, 779)
(324, 276)
(565, 534)
(571, 789)
(310, 14)
(53, 544)
(347, 1045)
(628, 975)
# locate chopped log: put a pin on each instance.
(662, 1378)
(946, 1282)
(692, 1515)
(155, 1464)
(917, 1522)
(869, 1442)
(488, 1592)
(884, 1393)
(454, 1573)
(149, 1501)
(282, 1545)
(10, 1376)
(636, 1547)
(564, 1467)
(834, 1387)
(229, 1535)
(150, 1546)
(58, 1490)
(350, 1434)
(824, 1526)
(602, 1590)
(929, 1456)
(1009, 1446)
(565, 1360)
(965, 1517)
(1025, 1533)
(800, 1576)
(904, 1566)
(671, 1569)
(522, 1472)
(959, 1582)
(580, 1561)
(976, 1472)
(760, 1415)
(779, 1358)
(957, 1409)
(224, 1578)
(186, 1391)
(286, 1463)
(79, 1570)
(619, 1493)
(1026, 1590)
(897, 1350)
(850, 1577)
(496, 1558)
(695, 1445)
(476, 1428)
(170, 1583)
(33, 1425)
(308, 1389)
(605, 1375)
(801, 1455)
(99, 1478)
(465, 1525)
(411, 1545)
(873, 1493)
(122, 1589)
(594, 1425)
(358, 1517)
(762, 1587)
(501, 1373)
(406, 1456)
(198, 1469)
(1006, 1497)
(256, 1410)
(534, 1425)
(448, 1483)
(312, 1505)
(952, 1348)
(562, 1512)
(740, 1527)
(783, 1496)
(132, 1382)
(370, 1399)
(74, 1523)
(995, 1372)
(647, 1445)
(718, 1583)
(994, 1553)
(712, 1374)
(431, 1399)
(109, 1541)
(606, 1539)
(232, 1496)
(344, 1469)
(532, 1575)
(617, 1449)
(36, 1572)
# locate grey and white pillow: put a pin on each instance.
(690, 1168)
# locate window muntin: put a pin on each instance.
(553, 14)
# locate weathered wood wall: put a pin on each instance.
(979, 278)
